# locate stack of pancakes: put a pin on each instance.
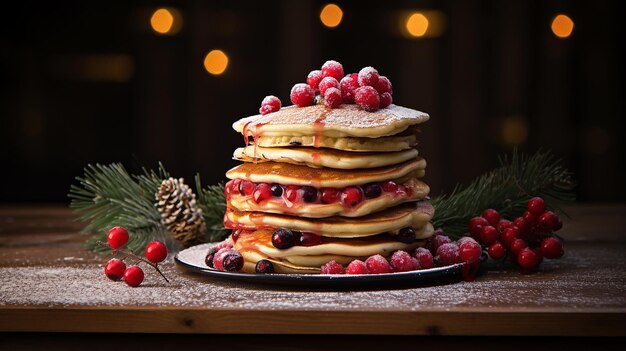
(307, 154)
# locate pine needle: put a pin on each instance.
(212, 201)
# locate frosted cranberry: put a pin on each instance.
(246, 188)
(401, 261)
(372, 190)
(548, 221)
(475, 225)
(156, 251)
(264, 266)
(529, 218)
(368, 76)
(309, 194)
(314, 78)
(496, 251)
(117, 237)
(517, 245)
(552, 247)
(503, 224)
(406, 235)
(270, 104)
(469, 251)
(218, 258)
(262, 192)
(232, 261)
(333, 69)
(309, 239)
(133, 276)
(356, 267)
(332, 267)
(277, 190)
(349, 84)
(224, 244)
(529, 259)
(436, 241)
(385, 100)
(448, 254)
(351, 196)
(424, 258)
(302, 94)
(511, 233)
(367, 98)
(488, 235)
(283, 238)
(383, 85)
(330, 195)
(114, 269)
(536, 206)
(522, 225)
(326, 83)
(465, 239)
(492, 216)
(332, 97)
(390, 186)
(377, 264)
(292, 192)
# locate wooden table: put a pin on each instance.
(51, 284)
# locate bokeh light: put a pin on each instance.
(166, 21)
(513, 130)
(216, 62)
(331, 15)
(562, 26)
(417, 24)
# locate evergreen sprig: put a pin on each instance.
(212, 202)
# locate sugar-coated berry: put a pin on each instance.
(332, 267)
(302, 95)
(377, 264)
(488, 235)
(277, 190)
(368, 76)
(348, 85)
(156, 251)
(390, 186)
(270, 104)
(551, 247)
(475, 225)
(372, 190)
(218, 259)
(133, 276)
(518, 245)
(470, 251)
(292, 192)
(356, 267)
(367, 98)
(529, 259)
(536, 206)
(309, 194)
(262, 192)
(401, 261)
(406, 235)
(385, 100)
(383, 85)
(314, 78)
(326, 83)
(246, 187)
(232, 261)
(308, 239)
(330, 195)
(114, 269)
(448, 254)
(492, 216)
(208, 260)
(548, 221)
(424, 258)
(264, 266)
(436, 241)
(117, 237)
(496, 251)
(508, 235)
(351, 196)
(332, 97)
(283, 238)
(503, 224)
(465, 239)
(224, 244)
(333, 69)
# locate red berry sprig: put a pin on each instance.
(116, 269)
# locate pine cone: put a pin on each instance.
(179, 213)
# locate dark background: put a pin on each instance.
(90, 82)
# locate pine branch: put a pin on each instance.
(212, 201)
(506, 189)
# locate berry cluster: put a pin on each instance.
(224, 258)
(527, 239)
(116, 269)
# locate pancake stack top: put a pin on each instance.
(322, 183)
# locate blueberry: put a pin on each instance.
(309, 194)
(372, 190)
(276, 190)
(209, 256)
(283, 238)
(232, 261)
(264, 266)
(406, 235)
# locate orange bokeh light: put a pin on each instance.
(562, 26)
(331, 15)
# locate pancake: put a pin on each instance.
(288, 174)
(318, 158)
(348, 120)
(411, 190)
(415, 215)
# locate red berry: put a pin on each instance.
(349, 84)
(367, 98)
(522, 225)
(156, 251)
(536, 206)
(503, 224)
(517, 245)
(548, 221)
(270, 104)
(218, 259)
(383, 85)
(292, 192)
(368, 76)
(470, 251)
(314, 78)
(332, 97)
(529, 218)
(511, 233)
(465, 239)
(488, 235)
(330, 195)
(356, 267)
(224, 244)
(385, 100)
(114, 269)
(133, 276)
(377, 264)
(558, 226)
(232, 261)
(401, 261)
(262, 192)
(352, 196)
(492, 216)
(552, 247)
(283, 238)
(246, 187)
(302, 95)
(208, 259)
(529, 259)
(496, 251)
(448, 254)
(436, 241)
(332, 267)
(390, 186)
(333, 69)
(475, 225)
(264, 266)
(308, 239)
(117, 237)
(424, 258)
(328, 82)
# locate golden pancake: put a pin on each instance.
(397, 142)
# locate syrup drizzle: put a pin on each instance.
(318, 127)
(255, 136)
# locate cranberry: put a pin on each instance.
(351, 196)
(232, 261)
(470, 251)
(349, 84)
(302, 94)
(156, 251)
(208, 260)
(292, 192)
(262, 192)
(390, 186)
(368, 76)
(559, 225)
(548, 221)
(333, 69)
(517, 245)
(356, 267)
(503, 224)
(492, 216)
(218, 259)
(372, 190)
(465, 239)
(424, 258)
(114, 269)
(246, 187)
(328, 82)
(277, 190)
(314, 78)
(235, 235)
(377, 264)
(522, 225)
(224, 245)
(309, 194)
(475, 225)
(488, 235)
(406, 235)
(330, 195)
(264, 266)
(536, 206)
(436, 241)
(529, 218)
(401, 261)
(283, 238)
(552, 247)
(448, 254)
(511, 233)
(529, 259)
(385, 100)
(133, 276)
(309, 239)
(117, 237)
(332, 267)
(367, 98)
(332, 97)
(496, 251)
(235, 184)
(270, 104)
(383, 85)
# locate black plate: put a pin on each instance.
(193, 259)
